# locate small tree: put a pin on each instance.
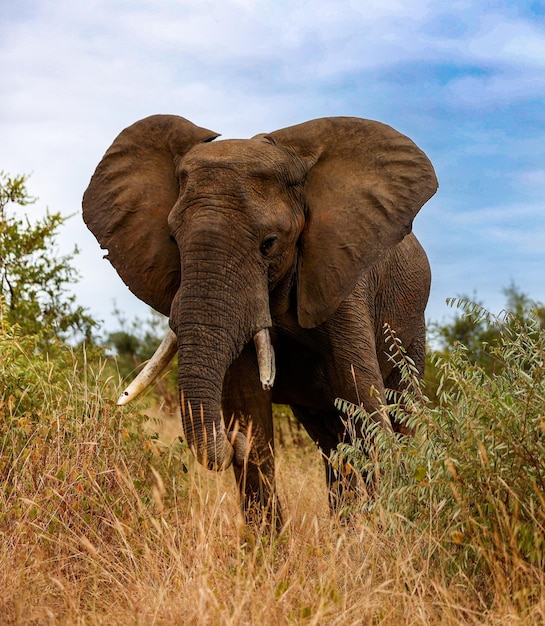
(475, 332)
(33, 275)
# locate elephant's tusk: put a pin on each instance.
(265, 358)
(162, 357)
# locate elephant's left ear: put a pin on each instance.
(364, 186)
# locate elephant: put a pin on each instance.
(278, 260)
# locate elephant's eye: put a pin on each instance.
(267, 244)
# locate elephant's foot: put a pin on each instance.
(260, 504)
(261, 518)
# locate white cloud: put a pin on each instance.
(514, 42)
(518, 241)
(516, 214)
(497, 90)
(533, 180)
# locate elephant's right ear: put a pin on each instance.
(128, 200)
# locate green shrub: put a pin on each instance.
(474, 472)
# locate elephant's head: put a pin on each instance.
(224, 236)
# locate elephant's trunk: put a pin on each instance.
(200, 381)
(216, 312)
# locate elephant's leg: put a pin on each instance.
(327, 429)
(248, 408)
(352, 369)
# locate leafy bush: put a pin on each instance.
(474, 472)
(476, 332)
(33, 275)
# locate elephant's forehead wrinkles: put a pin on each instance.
(237, 169)
(238, 155)
(209, 166)
(213, 201)
(241, 178)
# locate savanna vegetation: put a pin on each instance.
(106, 519)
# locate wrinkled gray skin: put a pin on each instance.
(306, 231)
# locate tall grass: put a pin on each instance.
(102, 522)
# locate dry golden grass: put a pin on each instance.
(99, 525)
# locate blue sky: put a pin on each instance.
(465, 80)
